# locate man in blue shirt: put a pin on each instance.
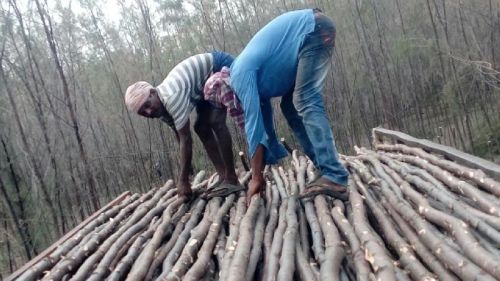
(290, 58)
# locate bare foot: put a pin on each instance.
(184, 191)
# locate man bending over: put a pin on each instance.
(290, 58)
(172, 102)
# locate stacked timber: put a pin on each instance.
(411, 215)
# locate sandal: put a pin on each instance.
(223, 190)
(325, 187)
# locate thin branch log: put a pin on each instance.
(201, 265)
(198, 235)
(232, 240)
(375, 252)
(255, 254)
(475, 175)
(347, 230)
(243, 248)
(334, 250)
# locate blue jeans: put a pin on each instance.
(304, 108)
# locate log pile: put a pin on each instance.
(411, 215)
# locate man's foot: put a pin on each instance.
(324, 186)
(184, 192)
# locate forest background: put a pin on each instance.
(68, 145)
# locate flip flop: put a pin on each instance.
(316, 188)
(223, 190)
(214, 185)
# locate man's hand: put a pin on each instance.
(184, 190)
(257, 182)
(255, 186)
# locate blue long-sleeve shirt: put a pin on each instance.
(267, 68)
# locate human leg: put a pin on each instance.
(294, 120)
(217, 122)
(314, 63)
(205, 133)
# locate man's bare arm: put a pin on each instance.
(186, 150)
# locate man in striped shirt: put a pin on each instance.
(174, 100)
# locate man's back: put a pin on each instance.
(271, 55)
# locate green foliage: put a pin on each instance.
(412, 48)
(449, 95)
(487, 143)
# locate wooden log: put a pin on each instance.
(165, 249)
(310, 171)
(271, 266)
(285, 144)
(70, 263)
(123, 267)
(453, 260)
(87, 266)
(140, 219)
(449, 200)
(181, 241)
(460, 157)
(316, 233)
(219, 246)
(303, 267)
(192, 247)
(375, 252)
(232, 240)
(424, 253)
(347, 230)
(458, 229)
(475, 175)
(258, 238)
(406, 255)
(244, 161)
(481, 199)
(287, 260)
(334, 250)
(141, 266)
(201, 265)
(318, 246)
(125, 249)
(239, 264)
(279, 183)
(45, 260)
(210, 275)
(272, 222)
(300, 164)
(198, 178)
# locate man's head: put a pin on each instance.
(143, 99)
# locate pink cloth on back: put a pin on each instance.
(218, 92)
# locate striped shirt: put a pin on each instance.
(182, 89)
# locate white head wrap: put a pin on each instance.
(136, 95)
